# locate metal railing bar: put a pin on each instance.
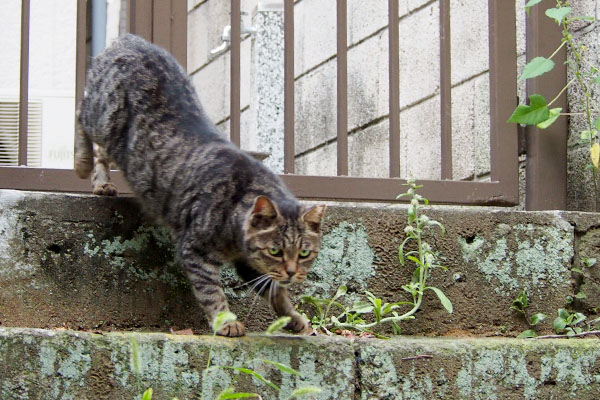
(288, 88)
(445, 90)
(503, 94)
(234, 125)
(342, 88)
(386, 189)
(24, 81)
(329, 188)
(546, 167)
(394, 88)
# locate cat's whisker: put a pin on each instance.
(250, 281)
(260, 291)
(259, 282)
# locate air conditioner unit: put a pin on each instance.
(9, 133)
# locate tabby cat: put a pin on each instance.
(141, 112)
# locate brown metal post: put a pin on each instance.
(504, 161)
(178, 45)
(546, 168)
(445, 90)
(234, 109)
(288, 87)
(24, 82)
(342, 88)
(394, 87)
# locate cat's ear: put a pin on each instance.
(264, 212)
(314, 216)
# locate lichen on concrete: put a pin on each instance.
(345, 259)
(523, 256)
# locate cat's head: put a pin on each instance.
(282, 241)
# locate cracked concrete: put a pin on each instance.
(85, 262)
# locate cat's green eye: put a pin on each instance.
(275, 251)
(304, 253)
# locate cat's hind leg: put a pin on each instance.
(101, 184)
(84, 153)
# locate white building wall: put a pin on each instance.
(51, 70)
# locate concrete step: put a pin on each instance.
(45, 364)
(87, 262)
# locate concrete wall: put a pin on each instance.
(580, 190)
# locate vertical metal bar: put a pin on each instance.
(546, 167)
(289, 151)
(161, 23)
(80, 51)
(140, 18)
(504, 161)
(342, 88)
(178, 45)
(24, 82)
(234, 109)
(445, 90)
(394, 83)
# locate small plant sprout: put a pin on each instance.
(568, 323)
(520, 304)
(424, 259)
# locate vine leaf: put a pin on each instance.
(530, 4)
(558, 14)
(537, 111)
(553, 116)
(536, 67)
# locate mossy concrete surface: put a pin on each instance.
(88, 262)
(44, 364)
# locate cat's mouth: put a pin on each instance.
(285, 282)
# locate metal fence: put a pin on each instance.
(164, 22)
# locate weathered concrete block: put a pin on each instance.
(469, 33)
(420, 148)
(419, 55)
(478, 369)
(213, 86)
(580, 183)
(88, 262)
(368, 81)
(38, 364)
(62, 365)
(316, 20)
(321, 161)
(368, 151)
(470, 128)
(315, 107)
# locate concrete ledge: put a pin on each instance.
(85, 262)
(41, 364)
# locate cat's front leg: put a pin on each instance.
(281, 303)
(203, 273)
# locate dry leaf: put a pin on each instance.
(182, 332)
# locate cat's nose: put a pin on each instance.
(290, 268)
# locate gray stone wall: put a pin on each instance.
(580, 190)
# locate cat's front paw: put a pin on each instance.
(232, 329)
(105, 189)
(299, 325)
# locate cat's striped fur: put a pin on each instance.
(140, 110)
